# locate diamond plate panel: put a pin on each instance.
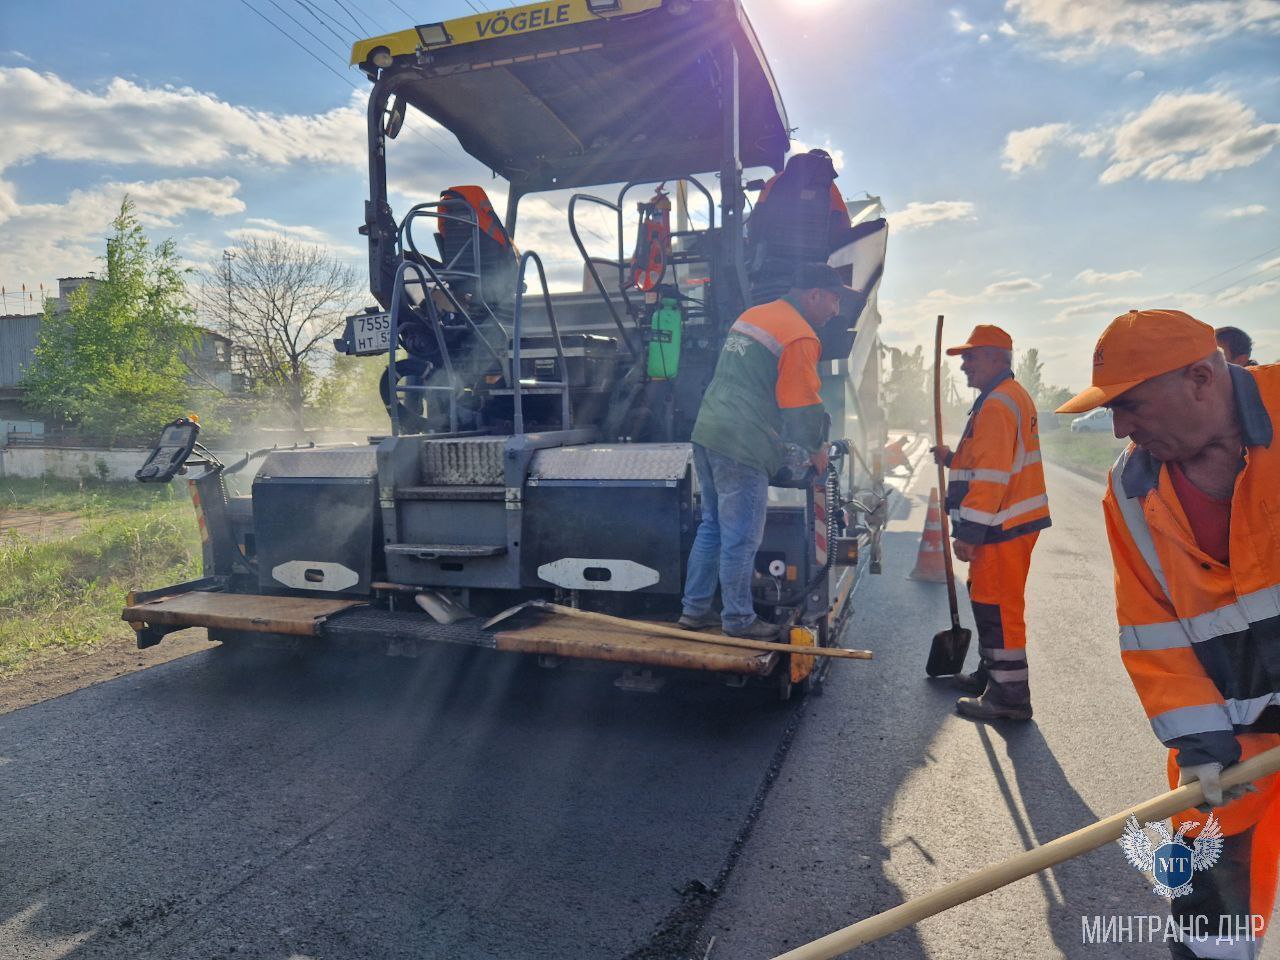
(320, 463)
(622, 461)
(463, 460)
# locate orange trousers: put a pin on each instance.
(1242, 884)
(997, 589)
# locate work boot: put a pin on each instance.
(702, 621)
(757, 630)
(988, 707)
(971, 683)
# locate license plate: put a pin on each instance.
(371, 333)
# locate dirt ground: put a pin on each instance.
(56, 676)
(39, 526)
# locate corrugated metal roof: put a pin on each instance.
(18, 336)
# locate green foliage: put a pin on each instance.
(1029, 372)
(1091, 454)
(349, 396)
(111, 365)
(908, 391)
(67, 593)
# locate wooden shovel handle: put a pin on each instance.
(942, 478)
(1025, 864)
(724, 641)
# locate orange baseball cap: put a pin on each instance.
(1138, 346)
(984, 335)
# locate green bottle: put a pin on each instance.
(664, 352)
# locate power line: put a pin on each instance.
(304, 27)
(1230, 269)
(376, 24)
(302, 46)
(359, 26)
(315, 12)
(1253, 276)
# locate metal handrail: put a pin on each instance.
(516, 395)
(404, 237)
(591, 267)
(394, 389)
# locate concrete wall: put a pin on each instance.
(70, 463)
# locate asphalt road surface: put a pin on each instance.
(466, 805)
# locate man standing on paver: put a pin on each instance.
(1193, 517)
(764, 394)
(997, 503)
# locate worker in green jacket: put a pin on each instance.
(765, 394)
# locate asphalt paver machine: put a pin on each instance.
(539, 441)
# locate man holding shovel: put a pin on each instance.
(1193, 517)
(997, 504)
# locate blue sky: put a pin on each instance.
(1046, 164)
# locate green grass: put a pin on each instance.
(66, 593)
(1089, 453)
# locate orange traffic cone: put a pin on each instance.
(929, 561)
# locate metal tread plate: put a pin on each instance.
(464, 460)
(624, 461)
(348, 464)
(452, 492)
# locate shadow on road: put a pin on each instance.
(466, 804)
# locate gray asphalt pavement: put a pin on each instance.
(469, 806)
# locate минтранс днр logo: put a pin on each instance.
(1172, 860)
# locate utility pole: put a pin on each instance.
(227, 257)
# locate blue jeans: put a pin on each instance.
(734, 501)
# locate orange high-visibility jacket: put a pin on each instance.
(996, 488)
(1201, 640)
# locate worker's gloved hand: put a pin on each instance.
(820, 459)
(964, 550)
(1209, 775)
(941, 454)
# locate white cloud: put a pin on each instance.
(1237, 296)
(165, 126)
(1252, 210)
(1077, 28)
(1006, 28)
(1187, 137)
(917, 215)
(299, 232)
(1011, 288)
(1178, 136)
(1133, 76)
(984, 38)
(47, 239)
(959, 23)
(18, 55)
(1026, 148)
(1094, 278)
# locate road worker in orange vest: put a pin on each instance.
(997, 503)
(1193, 517)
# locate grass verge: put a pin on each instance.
(66, 594)
(1090, 454)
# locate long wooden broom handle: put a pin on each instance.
(724, 641)
(1025, 864)
(947, 563)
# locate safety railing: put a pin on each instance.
(517, 396)
(621, 262)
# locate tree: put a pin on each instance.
(112, 364)
(908, 391)
(280, 301)
(1029, 374)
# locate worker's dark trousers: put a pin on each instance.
(997, 589)
(1237, 894)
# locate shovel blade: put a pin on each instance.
(946, 655)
